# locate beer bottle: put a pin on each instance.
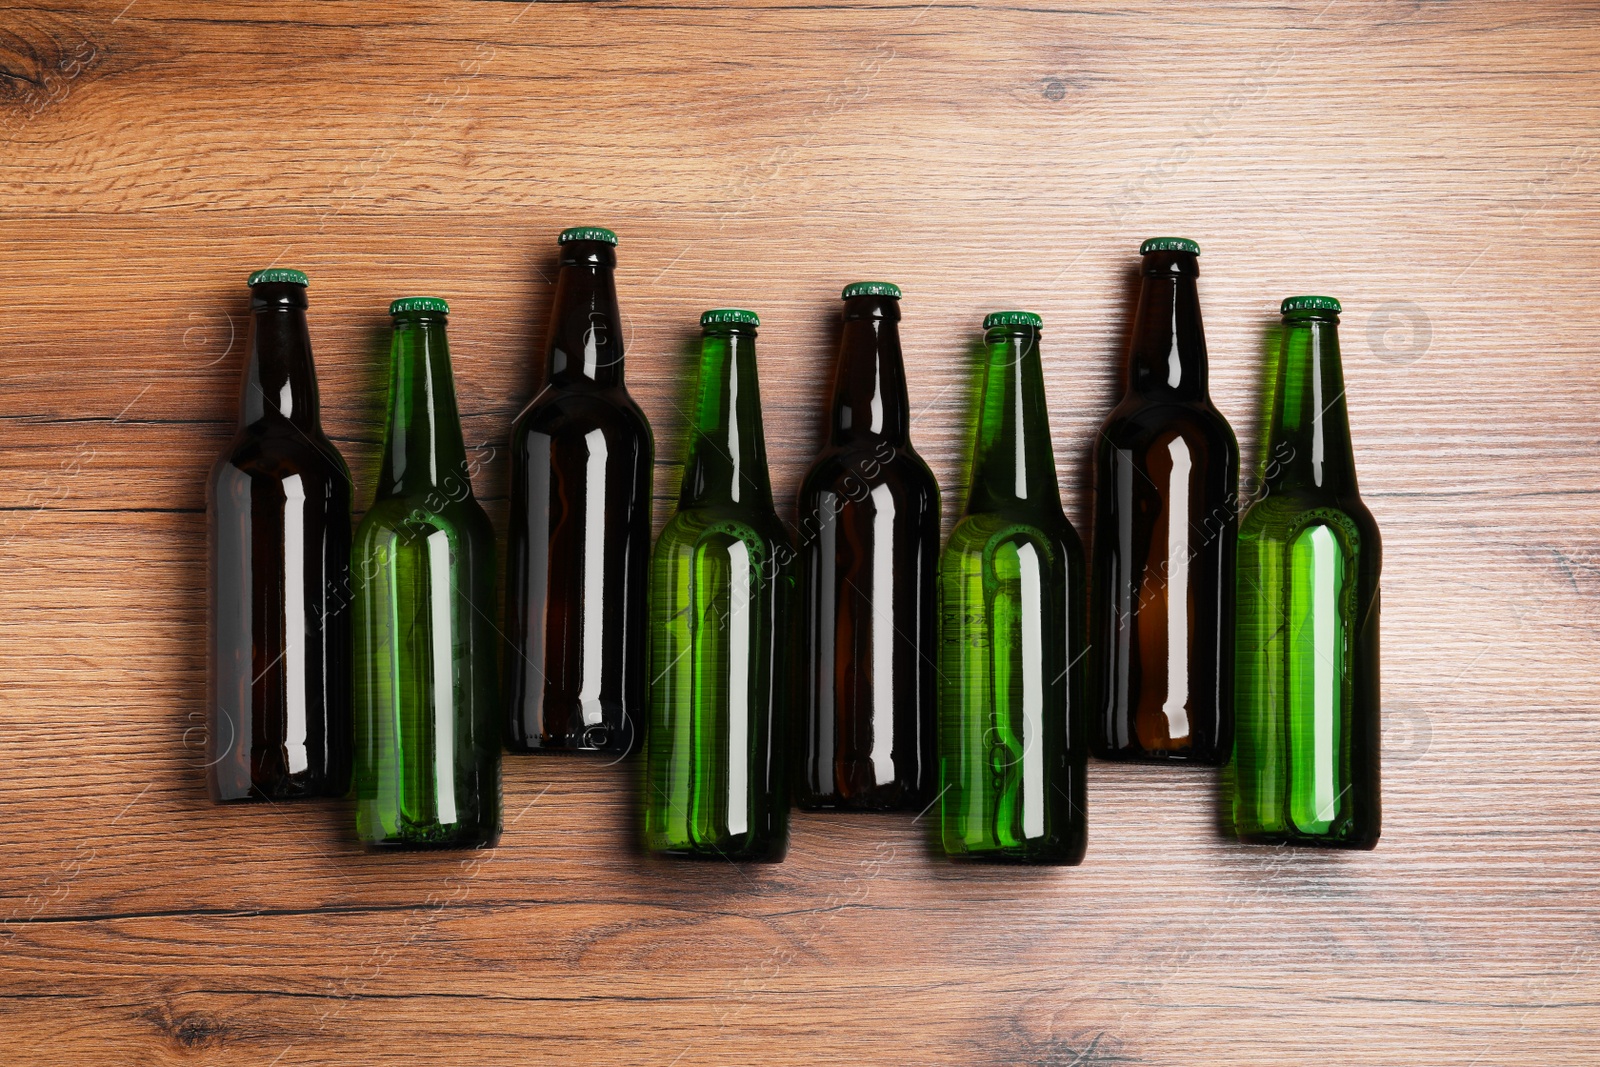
(869, 547)
(1011, 601)
(720, 589)
(278, 507)
(1165, 528)
(427, 767)
(581, 463)
(1306, 749)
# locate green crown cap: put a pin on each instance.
(730, 316)
(1169, 244)
(1309, 303)
(586, 233)
(277, 274)
(870, 289)
(408, 305)
(1012, 318)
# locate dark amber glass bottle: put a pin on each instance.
(581, 463)
(278, 508)
(869, 550)
(1165, 535)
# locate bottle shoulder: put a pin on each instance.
(419, 514)
(975, 530)
(279, 450)
(688, 525)
(855, 470)
(1138, 421)
(568, 411)
(1282, 514)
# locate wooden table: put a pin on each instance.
(1434, 166)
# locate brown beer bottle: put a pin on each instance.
(582, 458)
(278, 514)
(869, 549)
(1165, 534)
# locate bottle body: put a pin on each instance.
(1165, 535)
(427, 768)
(867, 570)
(717, 751)
(582, 460)
(1166, 530)
(1306, 756)
(1306, 750)
(278, 523)
(428, 729)
(869, 551)
(717, 761)
(1010, 661)
(1012, 745)
(577, 567)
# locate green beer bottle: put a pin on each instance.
(716, 773)
(1012, 745)
(427, 763)
(1306, 710)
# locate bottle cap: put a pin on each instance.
(736, 316)
(277, 274)
(407, 305)
(586, 233)
(870, 289)
(1309, 303)
(1169, 244)
(1012, 318)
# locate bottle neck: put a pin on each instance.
(869, 386)
(280, 381)
(584, 344)
(1013, 463)
(1308, 444)
(1167, 354)
(727, 453)
(422, 448)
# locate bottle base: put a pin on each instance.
(761, 852)
(839, 803)
(430, 837)
(1347, 844)
(1190, 757)
(281, 791)
(400, 844)
(615, 735)
(557, 747)
(1015, 859)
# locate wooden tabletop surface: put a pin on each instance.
(1435, 166)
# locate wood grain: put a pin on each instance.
(1436, 166)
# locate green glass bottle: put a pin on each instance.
(427, 753)
(721, 587)
(1012, 744)
(1306, 676)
